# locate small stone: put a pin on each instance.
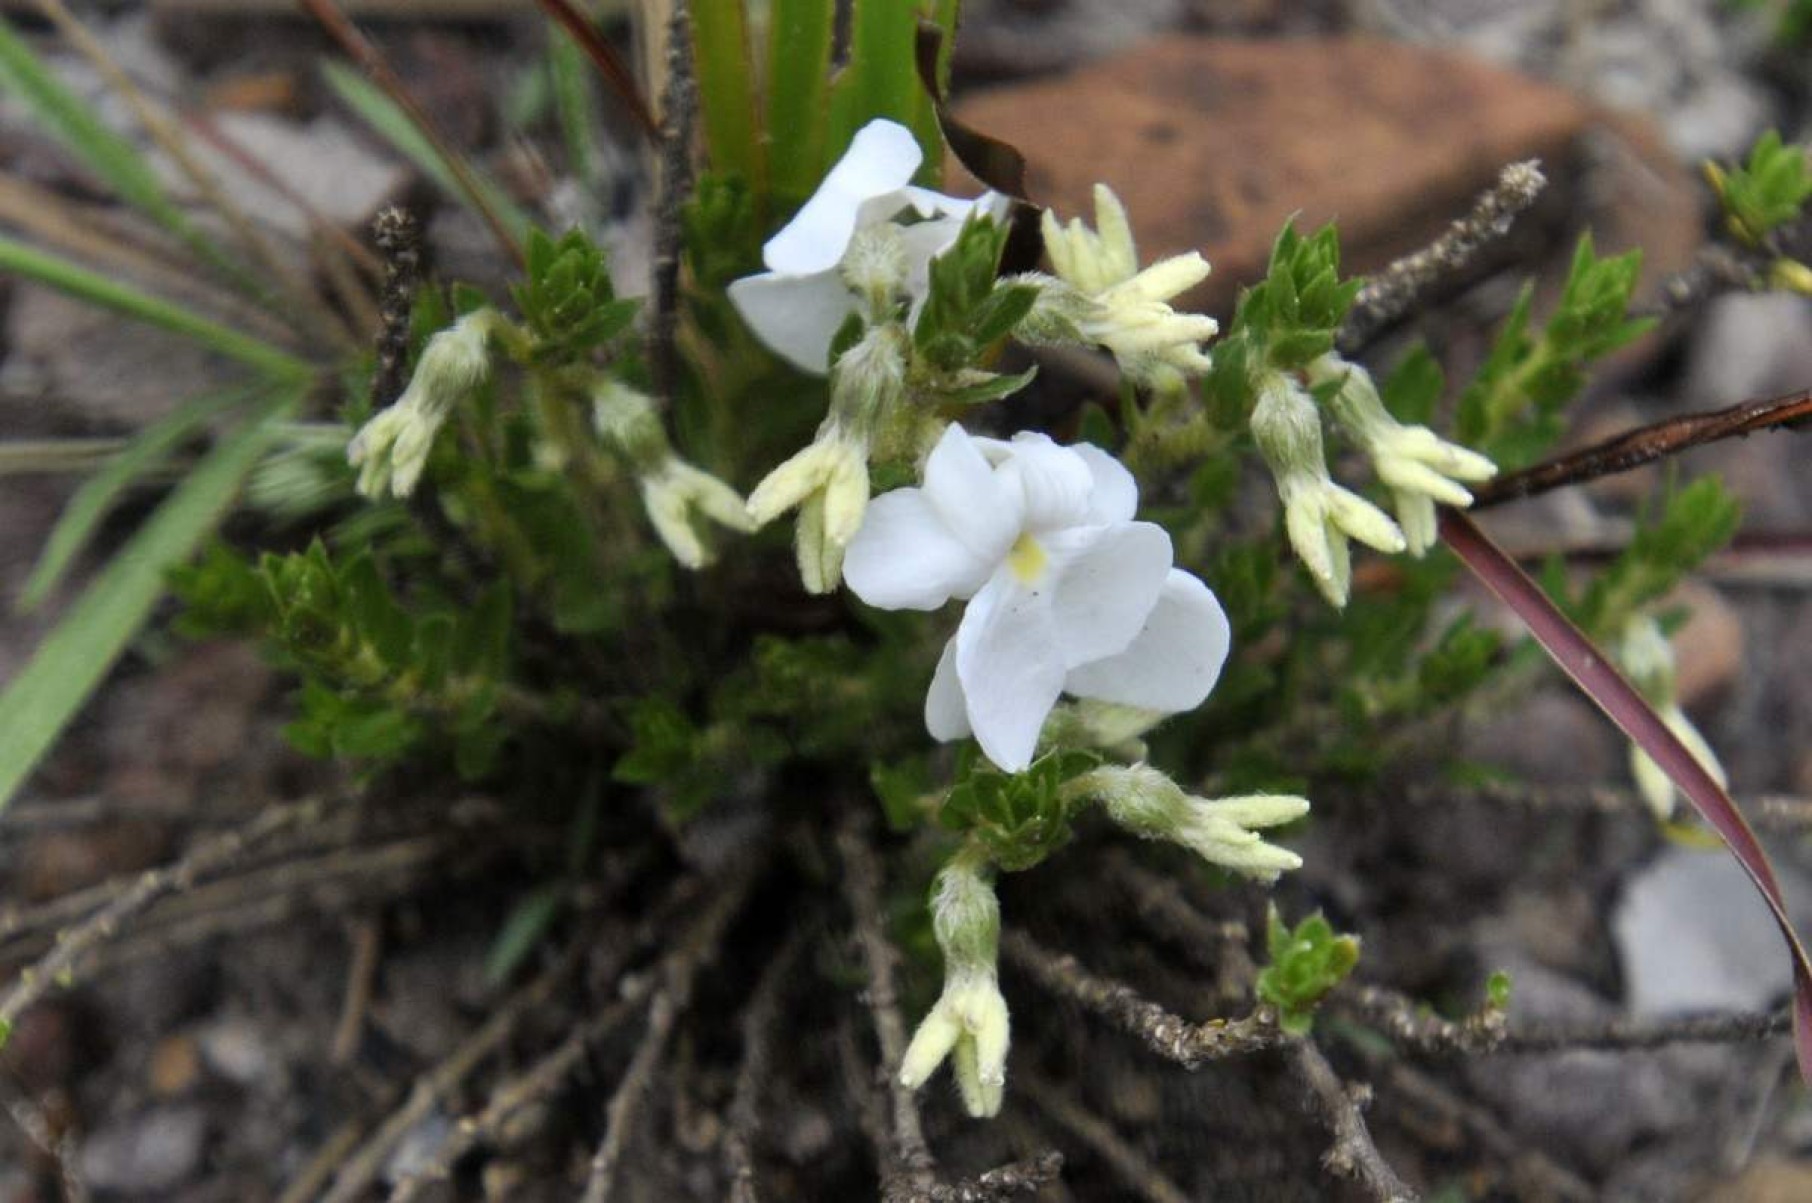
(175, 1066)
(153, 1151)
(1213, 143)
(235, 1049)
(322, 162)
(1693, 935)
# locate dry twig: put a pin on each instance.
(58, 968)
(1646, 444)
(1146, 1180)
(679, 112)
(1170, 1036)
(678, 974)
(908, 1165)
(1353, 1154)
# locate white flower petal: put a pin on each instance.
(1102, 582)
(1057, 481)
(881, 159)
(1011, 672)
(979, 508)
(1116, 494)
(796, 316)
(906, 558)
(1175, 660)
(946, 713)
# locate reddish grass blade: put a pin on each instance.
(608, 62)
(1594, 673)
(360, 50)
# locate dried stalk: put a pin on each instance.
(1631, 1034)
(909, 1165)
(361, 974)
(1353, 1155)
(1171, 1037)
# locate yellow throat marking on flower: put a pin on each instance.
(1027, 560)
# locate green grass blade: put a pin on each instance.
(726, 92)
(108, 293)
(881, 79)
(72, 122)
(575, 103)
(396, 127)
(799, 46)
(146, 453)
(71, 662)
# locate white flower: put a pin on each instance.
(391, 450)
(1318, 514)
(819, 270)
(1419, 466)
(1066, 592)
(1100, 296)
(969, 1022)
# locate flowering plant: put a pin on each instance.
(536, 549)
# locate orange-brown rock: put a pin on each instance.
(1213, 143)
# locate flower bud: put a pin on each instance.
(391, 450)
(1152, 806)
(969, 1023)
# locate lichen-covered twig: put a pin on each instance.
(1630, 1034)
(59, 966)
(1168, 1035)
(679, 115)
(398, 236)
(912, 1164)
(1003, 1182)
(1395, 291)
(1146, 1180)
(1410, 1025)
(1353, 1155)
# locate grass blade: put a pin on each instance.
(604, 57)
(726, 91)
(799, 46)
(458, 178)
(1599, 679)
(881, 79)
(147, 452)
(574, 106)
(84, 285)
(39, 702)
(72, 122)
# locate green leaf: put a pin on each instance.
(96, 289)
(530, 920)
(1765, 193)
(881, 78)
(728, 99)
(575, 103)
(75, 656)
(799, 45)
(1306, 963)
(397, 128)
(1497, 991)
(147, 452)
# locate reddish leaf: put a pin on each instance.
(1594, 673)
